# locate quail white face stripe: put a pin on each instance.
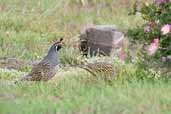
(56, 48)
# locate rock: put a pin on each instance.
(101, 39)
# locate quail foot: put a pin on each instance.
(46, 69)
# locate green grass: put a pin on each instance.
(28, 27)
(73, 91)
(72, 95)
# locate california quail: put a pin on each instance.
(46, 69)
(105, 70)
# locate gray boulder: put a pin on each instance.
(101, 39)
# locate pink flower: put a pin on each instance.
(165, 29)
(153, 46)
(156, 41)
(158, 2)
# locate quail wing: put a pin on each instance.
(42, 71)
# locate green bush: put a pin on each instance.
(156, 32)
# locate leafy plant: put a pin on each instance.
(157, 29)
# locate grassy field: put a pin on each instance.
(27, 28)
(75, 97)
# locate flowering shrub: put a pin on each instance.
(157, 30)
(153, 47)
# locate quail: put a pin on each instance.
(105, 70)
(46, 69)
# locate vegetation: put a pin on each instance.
(72, 95)
(157, 28)
(27, 28)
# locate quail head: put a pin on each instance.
(46, 69)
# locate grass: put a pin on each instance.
(30, 26)
(73, 95)
(73, 91)
(27, 28)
